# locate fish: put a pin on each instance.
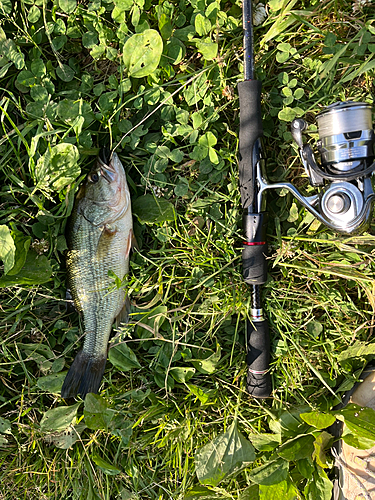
(99, 237)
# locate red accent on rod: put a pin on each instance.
(253, 243)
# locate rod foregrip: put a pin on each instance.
(258, 358)
(251, 130)
(254, 250)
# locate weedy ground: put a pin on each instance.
(173, 419)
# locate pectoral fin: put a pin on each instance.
(130, 243)
(109, 231)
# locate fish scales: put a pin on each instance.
(99, 240)
(90, 281)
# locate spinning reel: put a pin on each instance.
(346, 145)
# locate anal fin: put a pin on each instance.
(123, 315)
(134, 242)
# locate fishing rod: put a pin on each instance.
(254, 217)
(343, 203)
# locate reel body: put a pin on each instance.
(347, 149)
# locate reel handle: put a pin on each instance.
(258, 382)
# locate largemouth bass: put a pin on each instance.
(99, 241)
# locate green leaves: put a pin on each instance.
(58, 419)
(318, 419)
(182, 375)
(68, 6)
(96, 412)
(320, 487)
(153, 210)
(22, 244)
(265, 442)
(58, 43)
(288, 114)
(285, 490)
(65, 439)
(58, 167)
(290, 423)
(80, 75)
(10, 51)
(174, 51)
(307, 451)
(123, 358)
(297, 448)
(202, 493)
(142, 53)
(321, 444)
(6, 6)
(104, 466)
(89, 39)
(208, 49)
(283, 21)
(227, 454)
(69, 111)
(98, 416)
(36, 270)
(205, 148)
(165, 26)
(65, 73)
(5, 428)
(357, 350)
(359, 442)
(270, 473)
(34, 14)
(7, 248)
(359, 420)
(202, 25)
(208, 365)
(52, 383)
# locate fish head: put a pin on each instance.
(106, 193)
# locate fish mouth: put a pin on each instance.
(106, 166)
(105, 154)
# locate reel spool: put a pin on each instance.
(346, 136)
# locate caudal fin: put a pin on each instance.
(84, 376)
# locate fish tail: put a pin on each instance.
(84, 376)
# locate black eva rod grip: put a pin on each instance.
(251, 129)
(254, 264)
(258, 359)
(254, 250)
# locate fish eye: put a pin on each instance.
(94, 177)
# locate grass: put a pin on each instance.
(66, 91)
